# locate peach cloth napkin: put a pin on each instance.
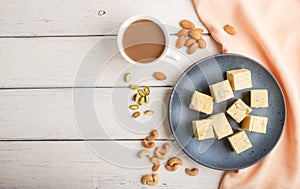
(269, 32)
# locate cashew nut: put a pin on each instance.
(166, 147)
(173, 164)
(192, 172)
(148, 144)
(174, 160)
(155, 167)
(160, 153)
(171, 168)
(153, 135)
(143, 153)
(150, 179)
(155, 160)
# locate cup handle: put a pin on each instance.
(173, 56)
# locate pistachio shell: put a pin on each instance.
(136, 114)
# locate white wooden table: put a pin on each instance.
(58, 56)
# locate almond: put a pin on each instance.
(189, 42)
(159, 76)
(229, 29)
(186, 24)
(201, 43)
(196, 33)
(192, 48)
(183, 32)
(180, 42)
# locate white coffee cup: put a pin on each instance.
(166, 52)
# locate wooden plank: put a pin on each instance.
(77, 165)
(80, 17)
(100, 113)
(83, 62)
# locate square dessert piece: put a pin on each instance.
(201, 103)
(221, 91)
(239, 79)
(259, 98)
(238, 110)
(240, 141)
(255, 123)
(221, 125)
(203, 129)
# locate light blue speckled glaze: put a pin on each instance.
(218, 154)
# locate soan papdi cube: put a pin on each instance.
(221, 125)
(240, 141)
(203, 129)
(239, 79)
(255, 123)
(259, 98)
(238, 110)
(221, 91)
(202, 103)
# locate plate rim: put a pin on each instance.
(214, 56)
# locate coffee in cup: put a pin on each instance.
(144, 40)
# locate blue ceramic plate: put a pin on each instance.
(214, 153)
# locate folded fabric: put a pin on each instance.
(269, 32)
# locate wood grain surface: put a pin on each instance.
(64, 117)
(81, 17)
